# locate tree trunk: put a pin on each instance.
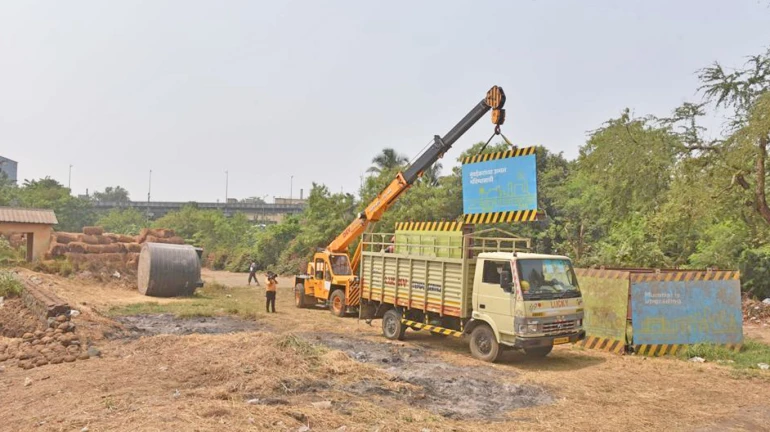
(761, 197)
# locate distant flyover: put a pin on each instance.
(264, 213)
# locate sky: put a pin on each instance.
(281, 94)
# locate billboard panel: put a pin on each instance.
(687, 311)
(500, 185)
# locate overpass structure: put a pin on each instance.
(257, 212)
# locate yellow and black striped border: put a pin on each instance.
(432, 328)
(659, 350)
(604, 344)
(429, 226)
(601, 273)
(500, 217)
(526, 151)
(685, 276)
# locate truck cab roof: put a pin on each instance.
(520, 255)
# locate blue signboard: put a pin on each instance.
(671, 312)
(500, 185)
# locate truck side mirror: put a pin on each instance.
(506, 281)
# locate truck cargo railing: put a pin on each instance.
(443, 246)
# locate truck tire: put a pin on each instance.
(484, 345)
(538, 352)
(337, 303)
(300, 299)
(392, 328)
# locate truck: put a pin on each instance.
(486, 286)
(330, 277)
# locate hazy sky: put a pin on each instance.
(313, 89)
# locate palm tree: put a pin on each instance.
(431, 174)
(387, 160)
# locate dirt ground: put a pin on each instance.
(302, 368)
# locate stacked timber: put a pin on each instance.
(93, 244)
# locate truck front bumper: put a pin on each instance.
(538, 341)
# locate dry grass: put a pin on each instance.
(133, 387)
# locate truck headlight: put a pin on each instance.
(532, 327)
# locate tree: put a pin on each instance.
(388, 159)
(743, 152)
(431, 175)
(123, 221)
(112, 194)
(73, 213)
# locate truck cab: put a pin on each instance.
(529, 301)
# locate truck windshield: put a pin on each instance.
(547, 279)
(340, 265)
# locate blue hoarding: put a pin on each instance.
(500, 185)
(686, 312)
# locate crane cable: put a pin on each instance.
(496, 132)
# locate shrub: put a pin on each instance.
(9, 285)
(755, 272)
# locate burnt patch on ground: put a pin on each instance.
(462, 392)
(153, 324)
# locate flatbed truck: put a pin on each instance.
(487, 288)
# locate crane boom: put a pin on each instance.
(494, 100)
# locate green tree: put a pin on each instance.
(73, 213)
(123, 221)
(112, 194)
(388, 159)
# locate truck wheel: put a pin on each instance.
(299, 296)
(538, 352)
(484, 345)
(337, 303)
(392, 327)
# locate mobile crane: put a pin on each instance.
(331, 275)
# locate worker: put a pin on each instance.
(270, 291)
(392, 246)
(253, 273)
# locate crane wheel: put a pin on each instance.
(337, 303)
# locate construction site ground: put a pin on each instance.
(217, 361)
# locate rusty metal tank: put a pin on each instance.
(168, 270)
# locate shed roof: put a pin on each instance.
(28, 215)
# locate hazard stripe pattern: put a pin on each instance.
(501, 217)
(354, 294)
(499, 155)
(604, 344)
(429, 226)
(659, 350)
(432, 328)
(685, 276)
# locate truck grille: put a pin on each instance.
(558, 326)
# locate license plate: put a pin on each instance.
(561, 340)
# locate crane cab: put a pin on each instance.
(328, 280)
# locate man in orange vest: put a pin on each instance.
(270, 289)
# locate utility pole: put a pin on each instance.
(149, 191)
(227, 181)
(291, 188)
(69, 179)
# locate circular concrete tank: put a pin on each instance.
(168, 270)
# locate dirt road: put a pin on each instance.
(305, 368)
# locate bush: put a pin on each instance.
(9, 285)
(755, 272)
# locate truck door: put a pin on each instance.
(494, 300)
(319, 268)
